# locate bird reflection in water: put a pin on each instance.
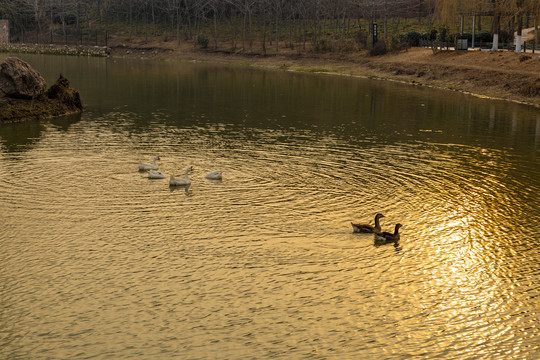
(180, 188)
(388, 238)
(377, 242)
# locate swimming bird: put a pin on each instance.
(214, 175)
(366, 228)
(146, 167)
(156, 175)
(181, 182)
(386, 236)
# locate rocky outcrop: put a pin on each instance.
(19, 80)
(23, 94)
(61, 91)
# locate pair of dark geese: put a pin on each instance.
(379, 235)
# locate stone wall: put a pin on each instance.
(4, 31)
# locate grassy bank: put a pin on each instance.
(499, 75)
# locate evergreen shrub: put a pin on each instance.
(413, 37)
(443, 35)
(484, 36)
(378, 49)
(323, 45)
(202, 41)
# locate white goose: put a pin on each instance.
(214, 175)
(156, 175)
(181, 182)
(145, 167)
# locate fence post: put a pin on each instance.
(535, 35)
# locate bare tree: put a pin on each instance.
(247, 20)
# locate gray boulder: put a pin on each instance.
(19, 80)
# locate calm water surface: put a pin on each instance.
(97, 261)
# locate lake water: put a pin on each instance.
(99, 262)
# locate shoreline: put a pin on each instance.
(501, 76)
(416, 83)
(67, 50)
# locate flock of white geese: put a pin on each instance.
(153, 173)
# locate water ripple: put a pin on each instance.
(98, 261)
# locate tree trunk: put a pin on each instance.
(178, 26)
(153, 19)
(88, 34)
(519, 31)
(99, 11)
(136, 25)
(264, 34)
(342, 35)
(51, 24)
(244, 19)
(535, 34)
(145, 27)
(291, 23)
(130, 20)
(385, 25)
(250, 21)
(215, 30)
(496, 21)
(277, 32)
(196, 34)
(64, 29)
(315, 25)
(473, 30)
(304, 30)
(334, 26)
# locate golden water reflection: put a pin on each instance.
(97, 257)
